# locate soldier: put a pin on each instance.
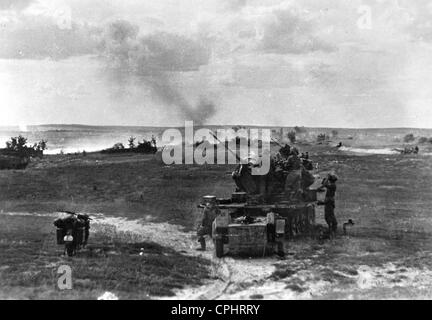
(280, 159)
(329, 203)
(272, 232)
(70, 243)
(86, 221)
(209, 214)
(294, 162)
(293, 179)
(243, 178)
(285, 151)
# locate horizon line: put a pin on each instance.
(203, 125)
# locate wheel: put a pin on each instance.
(219, 246)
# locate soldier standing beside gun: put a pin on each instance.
(329, 203)
(293, 179)
(209, 214)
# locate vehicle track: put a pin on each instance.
(252, 278)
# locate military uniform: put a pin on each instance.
(285, 151)
(329, 203)
(294, 178)
(293, 162)
(210, 213)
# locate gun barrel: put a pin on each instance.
(226, 147)
(280, 145)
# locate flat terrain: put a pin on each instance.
(30, 259)
(386, 254)
(127, 185)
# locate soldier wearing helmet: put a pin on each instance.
(329, 183)
(293, 179)
(210, 213)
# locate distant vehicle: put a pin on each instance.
(407, 150)
(17, 155)
(13, 162)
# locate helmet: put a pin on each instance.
(209, 199)
(251, 159)
(285, 151)
(332, 177)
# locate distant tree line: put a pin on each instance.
(146, 146)
(423, 140)
(17, 153)
(322, 137)
(411, 138)
(292, 136)
(299, 130)
(17, 146)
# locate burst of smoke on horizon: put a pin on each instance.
(153, 60)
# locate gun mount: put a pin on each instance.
(262, 212)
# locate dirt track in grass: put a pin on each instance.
(148, 205)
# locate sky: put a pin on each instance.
(327, 63)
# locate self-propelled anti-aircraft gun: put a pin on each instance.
(261, 214)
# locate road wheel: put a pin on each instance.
(219, 246)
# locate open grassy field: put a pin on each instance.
(386, 254)
(30, 259)
(133, 187)
(128, 185)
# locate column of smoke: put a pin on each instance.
(153, 59)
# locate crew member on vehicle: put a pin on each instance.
(293, 179)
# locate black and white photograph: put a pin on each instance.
(215, 150)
